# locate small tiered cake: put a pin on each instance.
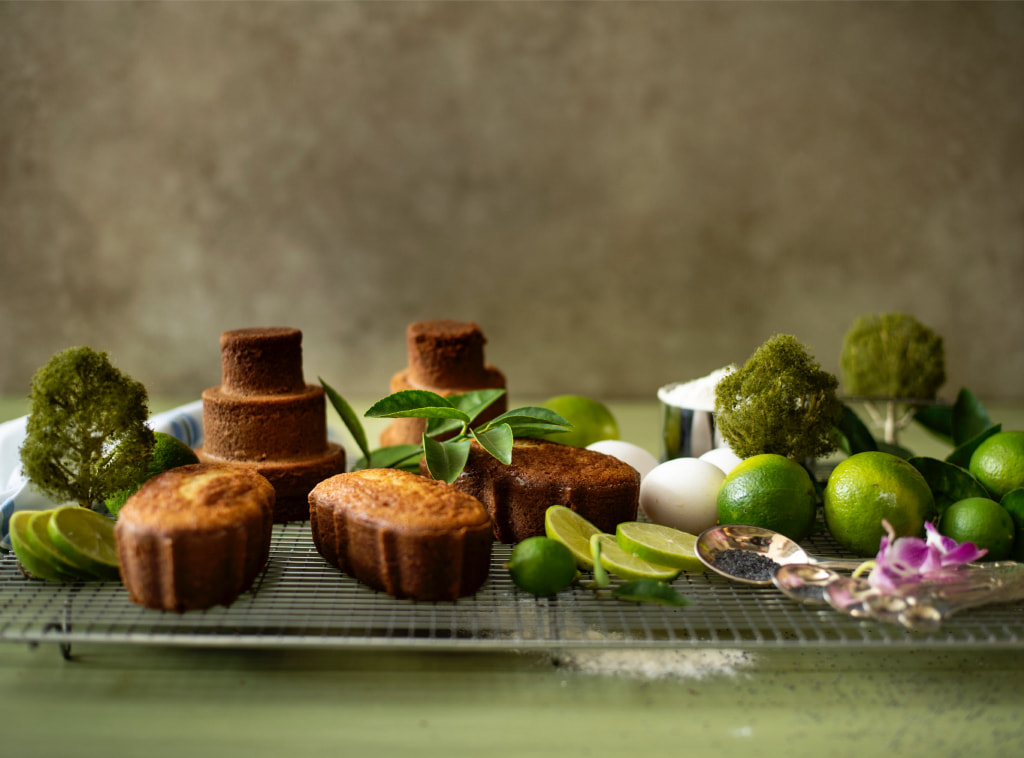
(264, 416)
(445, 357)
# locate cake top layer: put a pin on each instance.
(402, 500)
(539, 462)
(261, 361)
(199, 496)
(445, 353)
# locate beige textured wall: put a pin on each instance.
(620, 194)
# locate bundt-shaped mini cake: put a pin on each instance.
(195, 536)
(599, 487)
(264, 416)
(403, 534)
(445, 357)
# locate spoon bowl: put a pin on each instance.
(751, 554)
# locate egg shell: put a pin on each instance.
(627, 452)
(682, 493)
(723, 457)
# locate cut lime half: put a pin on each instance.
(87, 538)
(572, 530)
(627, 566)
(658, 544)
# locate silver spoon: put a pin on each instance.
(746, 554)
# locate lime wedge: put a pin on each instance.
(86, 538)
(33, 563)
(658, 544)
(627, 566)
(572, 530)
(38, 536)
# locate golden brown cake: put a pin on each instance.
(403, 534)
(265, 417)
(445, 357)
(195, 536)
(599, 487)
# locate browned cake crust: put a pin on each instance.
(195, 536)
(599, 487)
(445, 357)
(264, 417)
(403, 534)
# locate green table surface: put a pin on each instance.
(138, 700)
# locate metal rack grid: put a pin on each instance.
(301, 601)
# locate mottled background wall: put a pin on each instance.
(621, 194)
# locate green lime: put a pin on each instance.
(87, 538)
(868, 487)
(35, 564)
(591, 420)
(572, 530)
(626, 565)
(661, 545)
(998, 463)
(982, 521)
(770, 491)
(542, 566)
(1013, 502)
(168, 452)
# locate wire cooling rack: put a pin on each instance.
(301, 601)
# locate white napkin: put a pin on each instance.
(18, 494)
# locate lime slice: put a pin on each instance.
(627, 566)
(33, 563)
(87, 538)
(38, 536)
(658, 544)
(572, 530)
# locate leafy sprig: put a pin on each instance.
(450, 431)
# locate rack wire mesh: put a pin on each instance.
(301, 601)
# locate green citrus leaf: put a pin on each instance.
(497, 442)
(601, 578)
(969, 417)
(446, 460)
(472, 403)
(415, 404)
(856, 436)
(937, 419)
(393, 456)
(348, 416)
(649, 591)
(948, 482)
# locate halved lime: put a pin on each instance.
(32, 563)
(572, 530)
(658, 544)
(627, 566)
(87, 538)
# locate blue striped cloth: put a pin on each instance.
(18, 494)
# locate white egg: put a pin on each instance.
(723, 457)
(627, 452)
(682, 493)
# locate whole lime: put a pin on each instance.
(868, 487)
(770, 491)
(998, 463)
(168, 452)
(541, 566)
(982, 521)
(591, 420)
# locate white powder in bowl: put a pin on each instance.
(698, 394)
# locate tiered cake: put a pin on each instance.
(264, 416)
(445, 357)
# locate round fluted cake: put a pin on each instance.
(195, 536)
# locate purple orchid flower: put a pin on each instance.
(910, 560)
